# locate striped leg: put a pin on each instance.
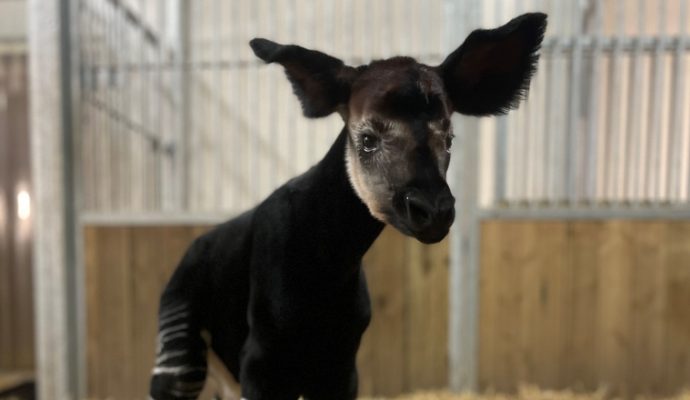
(180, 370)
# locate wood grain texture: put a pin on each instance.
(127, 267)
(585, 304)
(676, 308)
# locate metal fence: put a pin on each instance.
(177, 114)
(607, 118)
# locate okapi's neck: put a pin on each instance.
(338, 219)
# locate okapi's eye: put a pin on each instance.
(370, 143)
(449, 142)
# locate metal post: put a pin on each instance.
(56, 273)
(464, 274)
(184, 103)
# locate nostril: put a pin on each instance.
(418, 210)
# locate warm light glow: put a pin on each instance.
(23, 205)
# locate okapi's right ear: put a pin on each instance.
(490, 72)
(321, 82)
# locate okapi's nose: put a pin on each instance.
(424, 213)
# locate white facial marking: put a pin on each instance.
(359, 187)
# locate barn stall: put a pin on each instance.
(569, 263)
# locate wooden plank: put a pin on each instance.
(439, 309)
(92, 254)
(580, 341)
(647, 302)
(416, 316)
(677, 322)
(543, 308)
(614, 276)
(382, 359)
(115, 341)
(504, 251)
(619, 318)
(426, 311)
(150, 265)
(489, 260)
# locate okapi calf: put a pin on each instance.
(280, 288)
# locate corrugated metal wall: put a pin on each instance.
(607, 117)
(178, 114)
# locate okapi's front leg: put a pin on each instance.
(180, 370)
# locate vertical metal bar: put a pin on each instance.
(573, 167)
(614, 109)
(197, 152)
(537, 124)
(119, 106)
(253, 18)
(216, 108)
(593, 112)
(500, 191)
(501, 154)
(634, 105)
(274, 107)
(119, 129)
(550, 161)
(464, 273)
(183, 164)
(654, 137)
(108, 199)
(99, 126)
(506, 124)
(678, 106)
(240, 136)
(54, 92)
(157, 123)
(522, 128)
(292, 124)
(634, 129)
(86, 64)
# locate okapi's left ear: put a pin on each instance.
(490, 72)
(321, 82)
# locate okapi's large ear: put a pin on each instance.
(490, 72)
(321, 82)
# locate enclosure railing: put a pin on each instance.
(607, 118)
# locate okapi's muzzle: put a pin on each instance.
(425, 216)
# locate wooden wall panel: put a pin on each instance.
(404, 349)
(382, 360)
(585, 304)
(676, 309)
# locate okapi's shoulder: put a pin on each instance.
(272, 224)
(229, 237)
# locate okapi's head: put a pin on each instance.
(398, 114)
